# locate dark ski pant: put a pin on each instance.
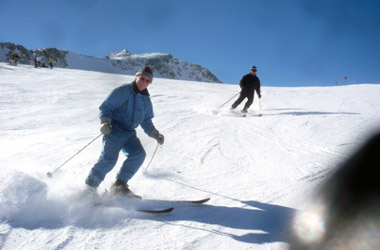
(112, 145)
(244, 93)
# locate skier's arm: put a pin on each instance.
(106, 110)
(242, 82)
(110, 104)
(258, 89)
(147, 124)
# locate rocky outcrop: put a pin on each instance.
(164, 65)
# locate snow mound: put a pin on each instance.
(32, 203)
(24, 201)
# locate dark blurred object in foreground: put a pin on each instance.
(345, 214)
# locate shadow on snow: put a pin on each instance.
(273, 220)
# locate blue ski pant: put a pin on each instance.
(112, 145)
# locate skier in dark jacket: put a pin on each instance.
(248, 84)
(125, 108)
(14, 59)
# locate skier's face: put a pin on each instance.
(142, 82)
(253, 72)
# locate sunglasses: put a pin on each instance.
(145, 79)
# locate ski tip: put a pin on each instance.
(195, 202)
(205, 200)
(168, 210)
(156, 211)
(201, 201)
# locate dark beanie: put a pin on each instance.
(146, 71)
(253, 68)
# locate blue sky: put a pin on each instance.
(292, 42)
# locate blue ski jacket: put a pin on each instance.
(127, 109)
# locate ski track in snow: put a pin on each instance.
(258, 171)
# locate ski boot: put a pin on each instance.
(90, 194)
(120, 188)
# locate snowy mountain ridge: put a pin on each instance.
(121, 62)
(125, 54)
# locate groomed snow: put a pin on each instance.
(258, 171)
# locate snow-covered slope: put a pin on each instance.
(258, 171)
(123, 62)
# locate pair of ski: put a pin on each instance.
(244, 114)
(106, 203)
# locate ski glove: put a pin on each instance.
(159, 137)
(105, 126)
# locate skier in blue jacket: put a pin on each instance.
(125, 108)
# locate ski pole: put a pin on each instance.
(151, 159)
(260, 105)
(50, 174)
(260, 108)
(227, 101)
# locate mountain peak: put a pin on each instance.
(119, 55)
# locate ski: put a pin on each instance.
(106, 195)
(248, 115)
(239, 114)
(141, 210)
(156, 211)
(201, 201)
(109, 201)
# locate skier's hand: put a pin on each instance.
(159, 137)
(105, 126)
(259, 96)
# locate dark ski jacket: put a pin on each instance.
(250, 82)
